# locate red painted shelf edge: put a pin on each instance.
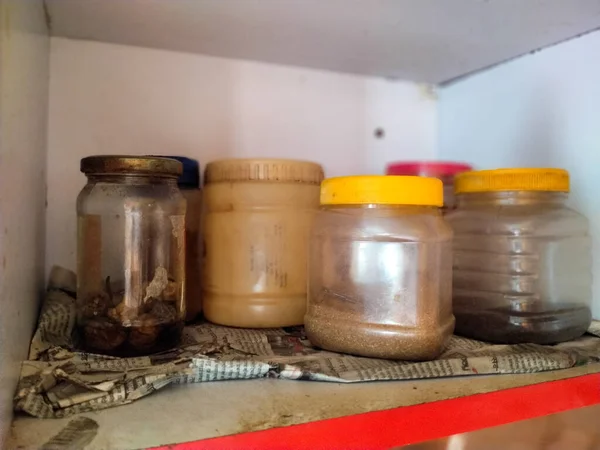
(417, 423)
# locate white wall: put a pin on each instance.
(108, 98)
(539, 110)
(24, 47)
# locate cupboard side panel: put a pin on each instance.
(24, 52)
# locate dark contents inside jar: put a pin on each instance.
(507, 326)
(109, 326)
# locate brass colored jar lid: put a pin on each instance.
(135, 165)
(273, 170)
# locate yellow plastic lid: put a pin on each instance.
(262, 169)
(383, 190)
(535, 179)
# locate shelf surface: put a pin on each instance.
(422, 40)
(207, 410)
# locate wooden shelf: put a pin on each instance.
(233, 410)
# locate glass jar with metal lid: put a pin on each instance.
(130, 255)
(380, 268)
(522, 261)
(258, 214)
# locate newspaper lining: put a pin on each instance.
(58, 381)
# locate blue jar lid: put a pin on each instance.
(190, 177)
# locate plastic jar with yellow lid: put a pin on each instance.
(380, 268)
(258, 214)
(522, 261)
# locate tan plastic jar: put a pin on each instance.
(258, 215)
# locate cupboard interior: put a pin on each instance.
(62, 99)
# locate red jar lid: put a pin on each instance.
(436, 169)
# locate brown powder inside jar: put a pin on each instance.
(339, 330)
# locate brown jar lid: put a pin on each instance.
(282, 170)
(124, 164)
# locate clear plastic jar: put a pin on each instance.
(258, 214)
(445, 171)
(130, 255)
(380, 268)
(522, 261)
